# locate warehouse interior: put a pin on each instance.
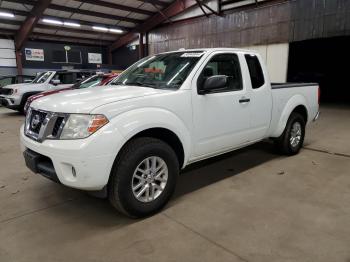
(248, 204)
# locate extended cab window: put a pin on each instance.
(223, 64)
(255, 71)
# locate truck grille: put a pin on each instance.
(57, 126)
(6, 91)
(41, 125)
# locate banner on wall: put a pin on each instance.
(95, 58)
(34, 54)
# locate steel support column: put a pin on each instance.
(19, 62)
(141, 46)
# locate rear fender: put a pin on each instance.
(292, 103)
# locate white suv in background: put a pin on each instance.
(15, 96)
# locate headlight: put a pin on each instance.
(82, 126)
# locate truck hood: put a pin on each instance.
(85, 100)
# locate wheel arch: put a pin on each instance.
(165, 135)
(297, 104)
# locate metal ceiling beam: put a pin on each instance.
(73, 30)
(80, 11)
(4, 20)
(117, 6)
(93, 13)
(29, 23)
(7, 31)
(173, 9)
(63, 38)
(15, 12)
(95, 2)
(155, 2)
(73, 38)
(86, 23)
(60, 38)
(82, 22)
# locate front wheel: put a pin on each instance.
(143, 177)
(292, 138)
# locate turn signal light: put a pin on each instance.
(97, 122)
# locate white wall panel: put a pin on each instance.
(6, 43)
(7, 55)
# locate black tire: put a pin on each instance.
(120, 191)
(283, 143)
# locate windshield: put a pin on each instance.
(160, 71)
(41, 77)
(89, 82)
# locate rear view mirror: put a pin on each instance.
(213, 83)
(55, 82)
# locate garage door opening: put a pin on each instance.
(324, 61)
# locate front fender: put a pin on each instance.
(292, 103)
(135, 121)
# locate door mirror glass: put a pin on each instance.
(214, 83)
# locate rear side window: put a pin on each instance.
(255, 71)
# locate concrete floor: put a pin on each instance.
(250, 205)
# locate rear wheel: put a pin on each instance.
(292, 138)
(144, 177)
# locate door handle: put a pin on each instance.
(244, 100)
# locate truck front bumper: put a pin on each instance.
(84, 164)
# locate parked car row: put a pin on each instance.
(15, 96)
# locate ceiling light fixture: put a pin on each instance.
(5, 14)
(118, 31)
(71, 24)
(54, 22)
(100, 28)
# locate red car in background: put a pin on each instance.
(95, 80)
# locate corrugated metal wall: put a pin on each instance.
(7, 57)
(274, 22)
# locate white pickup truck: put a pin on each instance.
(163, 113)
(15, 96)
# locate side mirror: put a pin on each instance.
(55, 82)
(213, 83)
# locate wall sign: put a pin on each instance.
(34, 54)
(95, 58)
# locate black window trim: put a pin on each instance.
(262, 71)
(223, 90)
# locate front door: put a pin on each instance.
(221, 118)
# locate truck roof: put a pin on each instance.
(213, 49)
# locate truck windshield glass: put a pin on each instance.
(41, 78)
(160, 71)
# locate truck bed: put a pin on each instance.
(291, 85)
(285, 96)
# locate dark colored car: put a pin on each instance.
(95, 80)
